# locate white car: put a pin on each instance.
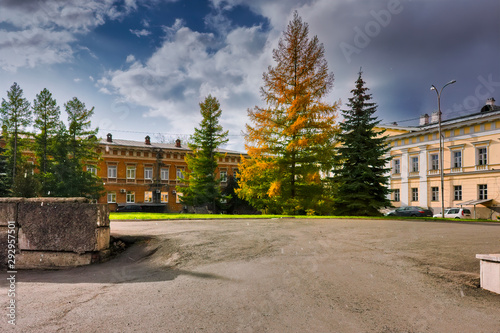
(455, 213)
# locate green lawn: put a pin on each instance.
(174, 216)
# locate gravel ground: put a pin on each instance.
(280, 275)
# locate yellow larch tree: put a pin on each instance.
(290, 142)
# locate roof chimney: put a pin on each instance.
(435, 117)
(109, 138)
(178, 143)
(148, 140)
(424, 119)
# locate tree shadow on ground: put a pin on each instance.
(140, 262)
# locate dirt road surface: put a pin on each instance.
(280, 275)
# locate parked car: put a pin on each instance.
(456, 213)
(129, 208)
(411, 211)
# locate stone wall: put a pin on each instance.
(54, 232)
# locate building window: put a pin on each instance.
(482, 191)
(164, 197)
(482, 156)
(414, 164)
(397, 195)
(179, 173)
(130, 197)
(457, 159)
(457, 192)
(148, 196)
(111, 171)
(130, 172)
(396, 167)
(178, 197)
(414, 194)
(111, 197)
(92, 169)
(435, 162)
(435, 193)
(164, 174)
(148, 173)
(223, 176)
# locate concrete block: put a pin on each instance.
(3, 247)
(51, 260)
(102, 238)
(8, 211)
(59, 226)
(102, 212)
(490, 272)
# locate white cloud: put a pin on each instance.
(130, 58)
(77, 79)
(33, 47)
(186, 68)
(43, 31)
(141, 33)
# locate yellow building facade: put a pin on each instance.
(471, 163)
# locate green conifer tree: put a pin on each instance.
(360, 175)
(74, 151)
(203, 184)
(16, 115)
(47, 121)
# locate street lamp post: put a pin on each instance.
(441, 141)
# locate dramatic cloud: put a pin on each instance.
(186, 68)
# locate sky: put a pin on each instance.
(146, 65)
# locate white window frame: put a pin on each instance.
(397, 195)
(131, 172)
(178, 196)
(112, 171)
(164, 197)
(414, 194)
(164, 173)
(148, 173)
(130, 197)
(456, 159)
(434, 160)
(111, 197)
(396, 170)
(223, 176)
(148, 195)
(414, 163)
(434, 193)
(482, 191)
(178, 174)
(92, 169)
(457, 193)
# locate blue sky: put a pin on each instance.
(145, 65)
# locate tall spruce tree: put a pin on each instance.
(203, 184)
(47, 113)
(360, 174)
(290, 142)
(74, 151)
(16, 115)
(5, 181)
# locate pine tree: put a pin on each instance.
(290, 142)
(74, 151)
(5, 181)
(16, 115)
(47, 115)
(203, 185)
(361, 175)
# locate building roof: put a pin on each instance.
(155, 145)
(487, 111)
